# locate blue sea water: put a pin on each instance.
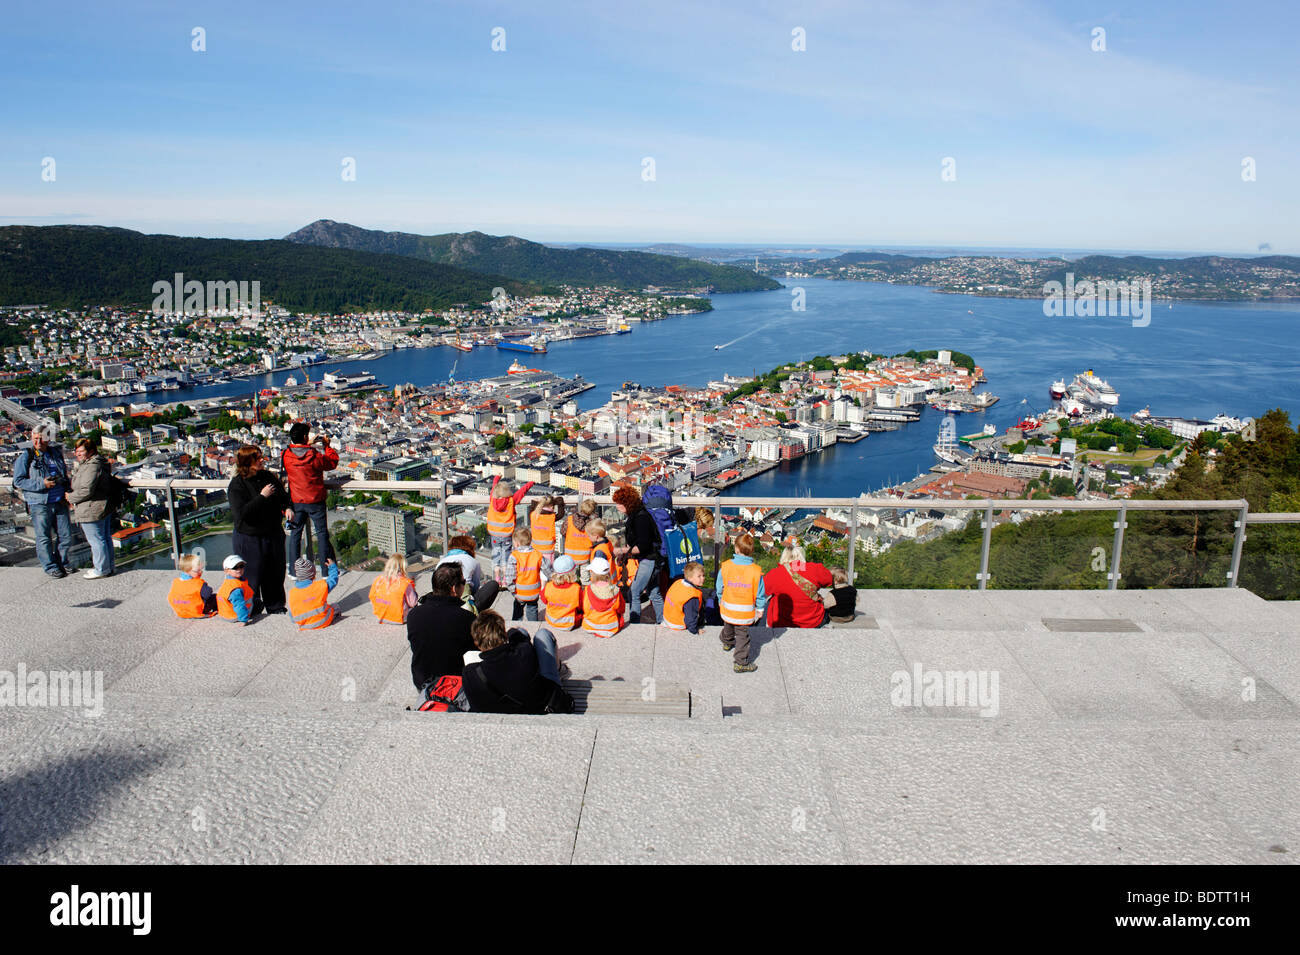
(1195, 360)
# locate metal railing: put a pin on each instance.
(989, 507)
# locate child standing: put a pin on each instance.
(684, 600)
(562, 596)
(501, 522)
(846, 597)
(577, 545)
(524, 575)
(741, 601)
(392, 595)
(235, 596)
(624, 572)
(543, 518)
(602, 604)
(190, 596)
(600, 547)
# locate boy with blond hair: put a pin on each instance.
(190, 596)
(524, 575)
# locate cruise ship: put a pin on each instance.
(1095, 390)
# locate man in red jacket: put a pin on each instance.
(304, 464)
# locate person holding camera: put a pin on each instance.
(304, 463)
(42, 475)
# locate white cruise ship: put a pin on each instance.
(1096, 391)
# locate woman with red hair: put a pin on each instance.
(643, 544)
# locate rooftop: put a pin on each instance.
(1131, 726)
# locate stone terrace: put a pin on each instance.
(220, 744)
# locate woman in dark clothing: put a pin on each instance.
(643, 544)
(258, 503)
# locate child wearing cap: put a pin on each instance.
(235, 596)
(309, 598)
(562, 595)
(602, 603)
(190, 596)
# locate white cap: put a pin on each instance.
(231, 562)
(599, 566)
(563, 564)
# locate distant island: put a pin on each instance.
(1206, 278)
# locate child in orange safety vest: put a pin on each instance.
(562, 595)
(309, 605)
(190, 596)
(235, 596)
(741, 601)
(602, 603)
(624, 569)
(392, 595)
(684, 600)
(524, 575)
(501, 522)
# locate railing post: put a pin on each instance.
(442, 515)
(173, 522)
(718, 535)
(1116, 548)
(853, 541)
(987, 524)
(1237, 541)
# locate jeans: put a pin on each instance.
(316, 514)
(525, 611)
(548, 656)
(99, 535)
(48, 520)
(647, 578)
(501, 547)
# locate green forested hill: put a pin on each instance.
(534, 262)
(70, 266)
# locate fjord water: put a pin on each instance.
(1194, 360)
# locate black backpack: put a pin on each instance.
(120, 494)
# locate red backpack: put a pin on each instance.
(440, 697)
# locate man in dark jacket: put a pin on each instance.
(258, 503)
(438, 628)
(516, 673)
(304, 465)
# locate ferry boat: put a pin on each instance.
(1058, 389)
(532, 345)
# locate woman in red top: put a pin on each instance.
(792, 586)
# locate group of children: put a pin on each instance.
(308, 599)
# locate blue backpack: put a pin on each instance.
(679, 543)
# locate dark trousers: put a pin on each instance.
(264, 569)
(302, 513)
(739, 636)
(486, 595)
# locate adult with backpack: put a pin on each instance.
(304, 464)
(92, 496)
(515, 673)
(663, 539)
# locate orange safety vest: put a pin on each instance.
(229, 586)
(602, 617)
(604, 549)
(561, 604)
(388, 599)
(309, 606)
(576, 543)
(543, 528)
(528, 575)
(679, 595)
(501, 523)
(625, 573)
(738, 601)
(186, 598)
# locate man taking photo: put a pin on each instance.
(304, 464)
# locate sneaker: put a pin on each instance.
(745, 667)
(57, 574)
(728, 647)
(93, 574)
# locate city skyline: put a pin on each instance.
(1053, 144)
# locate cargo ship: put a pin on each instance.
(531, 345)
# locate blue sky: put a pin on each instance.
(1055, 145)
